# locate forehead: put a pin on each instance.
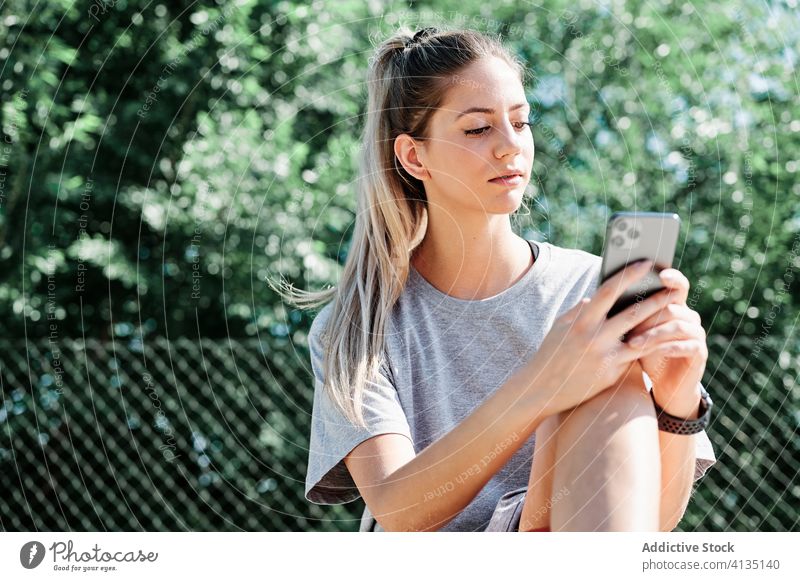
(488, 82)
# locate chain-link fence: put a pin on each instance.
(754, 486)
(212, 435)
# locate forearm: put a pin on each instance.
(677, 464)
(436, 485)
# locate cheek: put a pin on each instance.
(461, 158)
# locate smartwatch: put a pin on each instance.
(673, 425)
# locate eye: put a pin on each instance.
(519, 126)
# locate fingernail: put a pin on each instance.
(636, 341)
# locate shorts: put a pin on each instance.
(508, 512)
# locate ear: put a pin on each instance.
(408, 153)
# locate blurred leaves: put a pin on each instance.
(173, 156)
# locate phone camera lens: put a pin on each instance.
(634, 234)
(622, 225)
(617, 240)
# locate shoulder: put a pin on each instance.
(321, 319)
(320, 324)
(576, 255)
(574, 262)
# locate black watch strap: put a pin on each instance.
(673, 425)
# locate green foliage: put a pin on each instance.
(161, 161)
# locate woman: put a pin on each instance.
(452, 346)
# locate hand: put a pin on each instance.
(582, 353)
(675, 349)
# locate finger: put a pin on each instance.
(674, 329)
(691, 348)
(575, 311)
(671, 349)
(675, 279)
(670, 312)
(613, 288)
(633, 315)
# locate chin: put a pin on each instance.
(506, 203)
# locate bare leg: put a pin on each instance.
(539, 498)
(600, 465)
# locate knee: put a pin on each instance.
(629, 393)
(623, 408)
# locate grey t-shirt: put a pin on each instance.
(443, 357)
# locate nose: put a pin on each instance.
(509, 140)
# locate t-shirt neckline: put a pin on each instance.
(536, 271)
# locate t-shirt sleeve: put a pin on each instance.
(333, 436)
(705, 454)
(704, 451)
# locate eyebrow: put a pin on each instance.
(490, 111)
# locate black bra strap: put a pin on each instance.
(534, 249)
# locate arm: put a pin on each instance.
(677, 462)
(580, 357)
(424, 492)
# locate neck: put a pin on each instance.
(472, 259)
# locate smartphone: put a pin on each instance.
(634, 236)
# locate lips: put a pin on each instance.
(508, 175)
(513, 181)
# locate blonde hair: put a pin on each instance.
(407, 79)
